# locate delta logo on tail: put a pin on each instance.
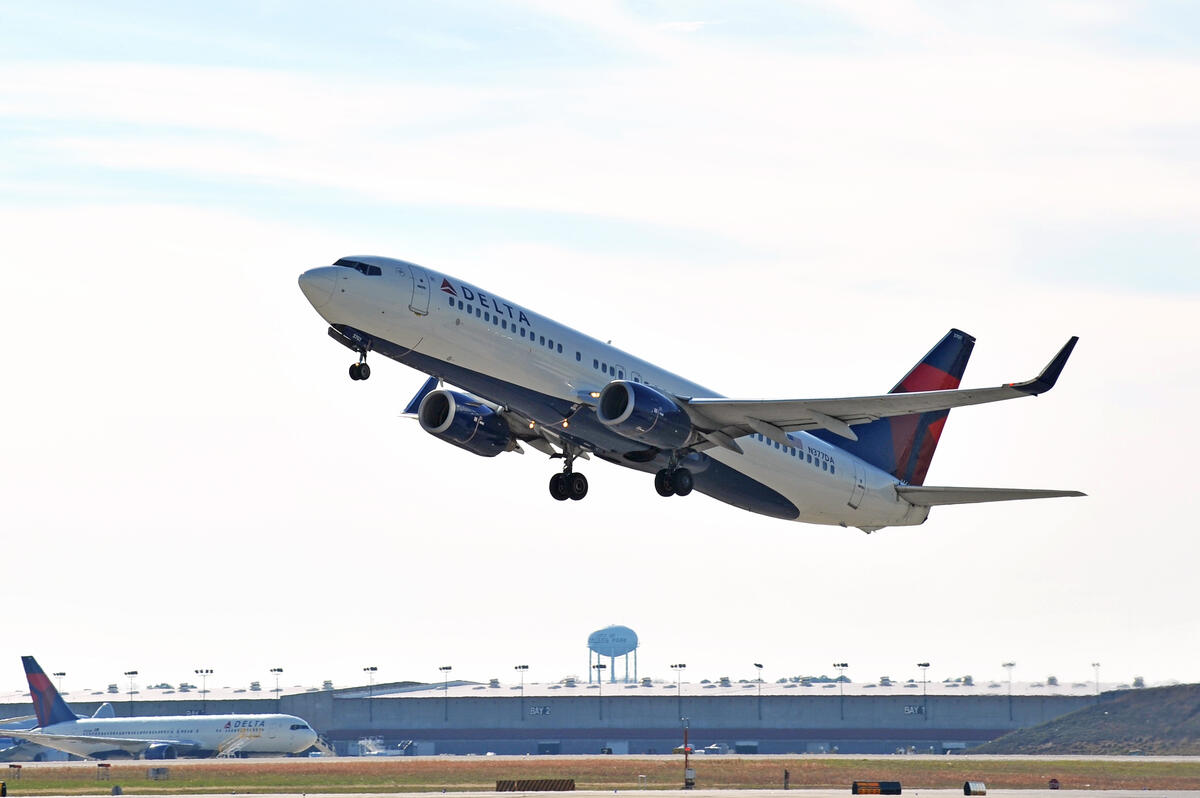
(447, 288)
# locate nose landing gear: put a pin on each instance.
(360, 370)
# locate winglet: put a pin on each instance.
(1049, 376)
(415, 403)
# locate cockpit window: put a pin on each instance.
(365, 268)
(299, 727)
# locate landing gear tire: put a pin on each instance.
(682, 482)
(354, 375)
(662, 483)
(577, 485)
(559, 487)
(360, 371)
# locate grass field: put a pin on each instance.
(457, 774)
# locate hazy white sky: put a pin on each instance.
(773, 199)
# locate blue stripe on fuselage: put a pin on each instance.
(712, 478)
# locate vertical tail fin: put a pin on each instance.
(47, 703)
(904, 445)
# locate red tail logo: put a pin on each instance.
(447, 288)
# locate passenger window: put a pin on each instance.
(620, 375)
(551, 344)
(810, 457)
(542, 341)
(487, 317)
(604, 368)
(578, 357)
(595, 363)
(495, 321)
(560, 349)
(831, 471)
(504, 325)
(451, 301)
(460, 304)
(478, 312)
(824, 465)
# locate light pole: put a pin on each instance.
(1008, 666)
(599, 668)
(370, 671)
(131, 674)
(678, 668)
(924, 666)
(1096, 668)
(445, 669)
(203, 674)
(277, 671)
(522, 669)
(759, 666)
(59, 675)
(841, 669)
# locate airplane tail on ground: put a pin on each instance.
(903, 446)
(47, 703)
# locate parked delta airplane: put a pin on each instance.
(858, 461)
(162, 737)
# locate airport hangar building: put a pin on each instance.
(643, 716)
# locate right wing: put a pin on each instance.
(721, 420)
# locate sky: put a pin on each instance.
(773, 199)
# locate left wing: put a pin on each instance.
(74, 743)
(721, 420)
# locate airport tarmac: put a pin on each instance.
(823, 793)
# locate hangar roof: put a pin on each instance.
(569, 687)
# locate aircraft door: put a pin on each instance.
(860, 488)
(420, 296)
(404, 273)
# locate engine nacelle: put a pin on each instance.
(159, 751)
(641, 413)
(464, 421)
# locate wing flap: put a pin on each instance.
(926, 496)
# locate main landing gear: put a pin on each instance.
(674, 482)
(360, 370)
(568, 484)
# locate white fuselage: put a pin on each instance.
(419, 309)
(253, 734)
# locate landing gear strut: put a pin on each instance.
(568, 484)
(360, 370)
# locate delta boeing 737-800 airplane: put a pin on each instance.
(526, 379)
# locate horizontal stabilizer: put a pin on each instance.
(923, 496)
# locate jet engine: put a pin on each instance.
(637, 411)
(464, 421)
(159, 751)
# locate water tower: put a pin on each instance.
(613, 642)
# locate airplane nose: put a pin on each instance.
(317, 285)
